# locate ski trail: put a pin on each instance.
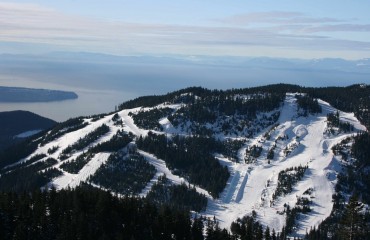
(129, 124)
(150, 184)
(73, 180)
(161, 167)
(240, 193)
(252, 185)
(232, 187)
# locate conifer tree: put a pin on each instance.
(352, 220)
(267, 234)
(197, 229)
(273, 236)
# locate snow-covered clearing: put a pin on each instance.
(27, 134)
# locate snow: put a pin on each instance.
(250, 186)
(27, 134)
(343, 116)
(70, 138)
(168, 127)
(161, 167)
(73, 180)
(129, 122)
(131, 127)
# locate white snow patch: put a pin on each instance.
(27, 134)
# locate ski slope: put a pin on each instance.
(251, 185)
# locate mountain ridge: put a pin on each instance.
(17, 125)
(259, 136)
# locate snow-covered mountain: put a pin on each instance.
(273, 153)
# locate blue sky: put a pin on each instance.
(292, 29)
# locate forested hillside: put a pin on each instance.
(269, 162)
(18, 125)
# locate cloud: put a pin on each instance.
(25, 23)
(275, 17)
(338, 28)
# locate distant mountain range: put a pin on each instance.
(337, 64)
(16, 126)
(17, 94)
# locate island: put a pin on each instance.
(18, 94)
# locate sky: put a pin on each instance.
(269, 28)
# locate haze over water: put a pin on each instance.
(112, 51)
(102, 84)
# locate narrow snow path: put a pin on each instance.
(161, 167)
(129, 124)
(73, 180)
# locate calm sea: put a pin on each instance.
(101, 87)
(88, 103)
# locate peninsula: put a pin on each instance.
(17, 94)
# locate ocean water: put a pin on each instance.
(88, 103)
(103, 86)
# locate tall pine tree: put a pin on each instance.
(352, 221)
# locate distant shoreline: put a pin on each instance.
(31, 95)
